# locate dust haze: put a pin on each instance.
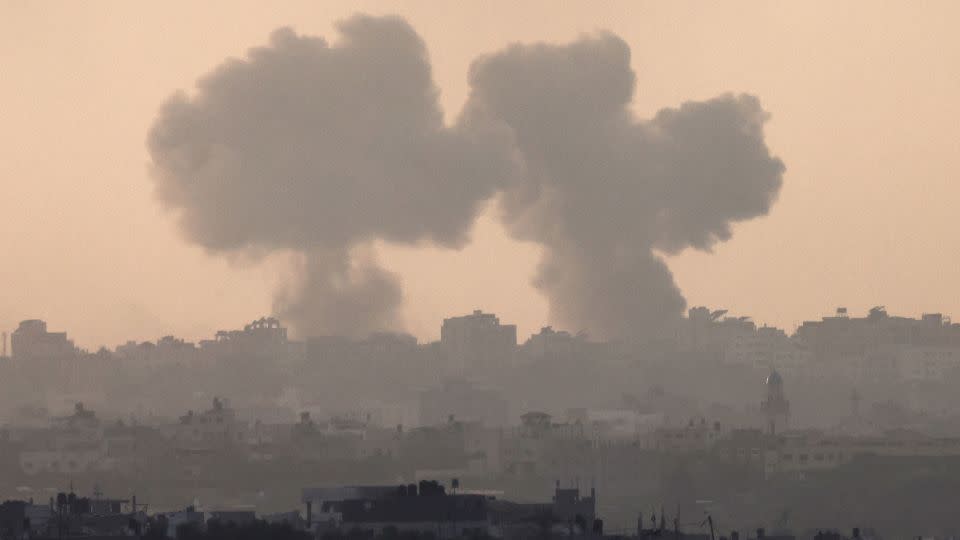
(628, 414)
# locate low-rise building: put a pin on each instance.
(802, 452)
(217, 428)
(427, 508)
(697, 436)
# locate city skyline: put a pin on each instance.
(693, 314)
(859, 221)
(404, 269)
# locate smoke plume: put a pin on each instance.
(602, 190)
(323, 149)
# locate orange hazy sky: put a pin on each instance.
(865, 105)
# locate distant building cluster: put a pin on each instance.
(871, 348)
(479, 408)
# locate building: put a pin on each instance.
(710, 333)
(738, 341)
(20, 519)
(568, 514)
(217, 428)
(31, 341)
(882, 347)
(766, 348)
(168, 350)
(240, 518)
(744, 447)
(696, 437)
(615, 424)
(926, 363)
(381, 364)
(187, 517)
(445, 516)
(74, 444)
(478, 343)
(461, 400)
(553, 345)
(321, 503)
(427, 508)
(775, 407)
(262, 338)
(803, 452)
(543, 448)
(70, 459)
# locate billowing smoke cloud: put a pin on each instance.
(337, 293)
(322, 149)
(602, 191)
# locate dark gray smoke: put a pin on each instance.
(602, 191)
(322, 149)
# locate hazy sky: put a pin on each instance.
(865, 104)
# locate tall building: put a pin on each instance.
(883, 347)
(775, 407)
(32, 341)
(478, 343)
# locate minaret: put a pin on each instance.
(775, 406)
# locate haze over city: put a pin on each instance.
(862, 110)
(469, 270)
